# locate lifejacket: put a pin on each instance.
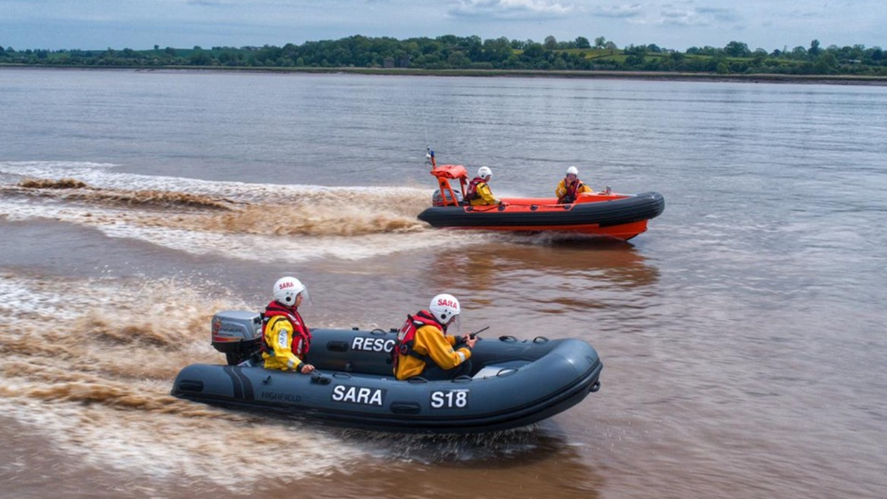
(572, 189)
(407, 335)
(472, 189)
(300, 331)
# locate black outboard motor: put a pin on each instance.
(238, 334)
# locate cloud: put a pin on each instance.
(683, 17)
(805, 14)
(699, 17)
(720, 15)
(619, 11)
(509, 9)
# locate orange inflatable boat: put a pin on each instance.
(620, 216)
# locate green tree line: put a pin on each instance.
(451, 52)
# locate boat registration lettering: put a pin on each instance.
(450, 399)
(281, 397)
(372, 344)
(358, 395)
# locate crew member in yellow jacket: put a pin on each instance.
(286, 337)
(479, 193)
(424, 348)
(570, 187)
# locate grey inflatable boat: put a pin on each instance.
(514, 382)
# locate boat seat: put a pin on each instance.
(493, 370)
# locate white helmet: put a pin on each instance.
(287, 289)
(484, 172)
(572, 171)
(444, 307)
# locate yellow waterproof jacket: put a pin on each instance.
(279, 336)
(431, 342)
(561, 190)
(484, 196)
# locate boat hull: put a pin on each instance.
(617, 216)
(524, 382)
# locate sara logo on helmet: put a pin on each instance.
(287, 284)
(452, 303)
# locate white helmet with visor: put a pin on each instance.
(287, 289)
(444, 307)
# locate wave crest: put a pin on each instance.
(311, 220)
(65, 183)
(287, 211)
(95, 382)
(117, 197)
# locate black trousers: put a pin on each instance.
(434, 372)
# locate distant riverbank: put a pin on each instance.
(488, 73)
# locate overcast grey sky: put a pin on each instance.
(677, 24)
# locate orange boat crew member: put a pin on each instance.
(423, 347)
(286, 337)
(479, 193)
(570, 187)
